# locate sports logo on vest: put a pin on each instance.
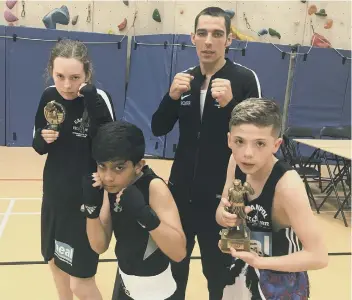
(64, 252)
(258, 217)
(79, 130)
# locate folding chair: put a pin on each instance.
(314, 159)
(290, 156)
(341, 173)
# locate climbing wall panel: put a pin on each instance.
(34, 11)
(109, 14)
(286, 17)
(339, 35)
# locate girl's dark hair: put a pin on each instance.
(71, 49)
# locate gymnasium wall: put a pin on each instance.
(321, 94)
(289, 18)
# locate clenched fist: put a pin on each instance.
(221, 91)
(50, 136)
(180, 85)
(228, 219)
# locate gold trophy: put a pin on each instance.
(54, 113)
(237, 237)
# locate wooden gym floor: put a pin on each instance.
(24, 276)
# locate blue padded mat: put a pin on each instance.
(271, 69)
(150, 70)
(319, 88)
(25, 85)
(109, 64)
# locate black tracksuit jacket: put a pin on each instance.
(69, 157)
(198, 173)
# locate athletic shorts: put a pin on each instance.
(64, 238)
(121, 291)
(277, 286)
(271, 285)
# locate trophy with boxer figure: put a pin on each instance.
(237, 237)
(54, 113)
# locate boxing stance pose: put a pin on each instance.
(139, 208)
(201, 100)
(81, 108)
(285, 239)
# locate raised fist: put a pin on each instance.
(180, 85)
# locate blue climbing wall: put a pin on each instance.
(150, 70)
(2, 88)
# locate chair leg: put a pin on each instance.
(320, 182)
(343, 204)
(310, 195)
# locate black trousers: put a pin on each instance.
(198, 220)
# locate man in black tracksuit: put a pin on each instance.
(202, 99)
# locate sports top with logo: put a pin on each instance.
(136, 252)
(69, 157)
(267, 241)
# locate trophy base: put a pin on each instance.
(54, 127)
(237, 239)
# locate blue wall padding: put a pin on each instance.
(346, 109)
(24, 84)
(149, 80)
(2, 89)
(319, 88)
(109, 64)
(271, 69)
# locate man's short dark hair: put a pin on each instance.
(118, 141)
(214, 12)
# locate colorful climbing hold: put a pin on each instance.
(74, 20)
(125, 2)
(320, 41)
(312, 9)
(156, 15)
(328, 24)
(262, 32)
(110, 31)
(231, 13)
(236, 34)
(273, 32)
(9, 16)
(181, 11)
(122, 25)
(57, 16)
(321, 13)
(11, 3)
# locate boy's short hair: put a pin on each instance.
(118, 141)
(257, 111)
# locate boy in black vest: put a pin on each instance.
(139, 208)
(285, 238)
